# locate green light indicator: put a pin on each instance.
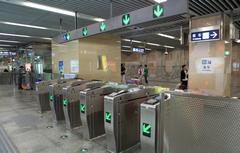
(102, 26)
(85, 31)
(227, 53)
(108, 117)
(67, 36)
(146, 129)
(126, 19)
(158, 11)
(83, 108)
(51, 98)
(65, 102)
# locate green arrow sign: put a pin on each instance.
(102, 26)
(85, 31)
(51, 98)
(83, 108)
(126, 19)
(108, 117)
(158, 11)
(65, 102)
(146, 129)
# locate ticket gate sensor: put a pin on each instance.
(148, 126)
(71, 103)
(122, 118)
(92, 109)
(56, 97)
(43, 94)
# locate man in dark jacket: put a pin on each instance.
(184, 77)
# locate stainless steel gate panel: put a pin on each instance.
(199, 124)
(93, 114)
(123, 129)
(56, 98)
(71, 102)
(43, 94)
(148, 124)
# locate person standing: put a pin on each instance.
(184, 77)
(123, 73)
(146, 73)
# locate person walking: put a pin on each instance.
(123, 73)
(184, 77)
(146, 74)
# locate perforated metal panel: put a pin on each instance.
(200, 124)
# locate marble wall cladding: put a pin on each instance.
(162, 68)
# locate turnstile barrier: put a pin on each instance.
(92, 108)
(56, 98)
(148, 125)
(196, 123)
(43, 94)
(122, 118)
(71, 103)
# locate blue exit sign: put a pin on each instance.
(209, 35)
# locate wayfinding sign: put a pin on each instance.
(158, 11)
(209, 35)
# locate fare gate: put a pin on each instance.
(149, 128)
(71, 103)
(43, 95)
(56, 97)
(122, 118)
(92, 109)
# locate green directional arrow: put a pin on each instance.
(126, 19)
(146, 129)
(65, 102)
(102, 26)
(51, 98)
(85, 31)
(108, 117)
(157, 11)
(83, 108)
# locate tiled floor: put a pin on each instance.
(28, 129)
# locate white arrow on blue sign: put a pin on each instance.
(210, 35)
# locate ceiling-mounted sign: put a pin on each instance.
(138, 50)
(67, 36)
(126, 19)
(158, 11)
(102, 26)
(85, 31)
(208, 35)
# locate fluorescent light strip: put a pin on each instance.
(25, 25)
(59, 11)
(48, 8)
(167, 36)
(126, 50)
(10, 41)
(153, 44)
(136, 41)
(168, 46)
(126, 40)
(4, 45)
(126, 46)
(24, 36)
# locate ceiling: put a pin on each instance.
(101, 9)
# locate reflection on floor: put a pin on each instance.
(33, 132)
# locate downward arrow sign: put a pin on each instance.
(103, 26)
(157, 11)
(85, 31)
(126, 19)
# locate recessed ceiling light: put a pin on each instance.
(10, 41)
(237, 41)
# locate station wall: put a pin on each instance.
(162, 68)
(98, 57)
